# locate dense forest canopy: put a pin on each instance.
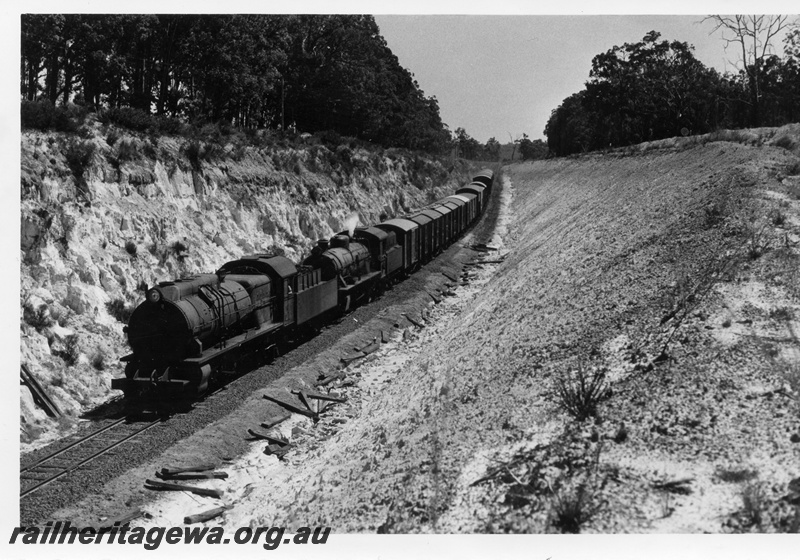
(655, 89)
(308, 72)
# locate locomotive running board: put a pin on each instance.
(123, 384)
(232, 344)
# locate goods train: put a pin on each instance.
(191, 333)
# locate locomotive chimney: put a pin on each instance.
(323, 244)
(340, 241)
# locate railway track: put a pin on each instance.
(80, 452)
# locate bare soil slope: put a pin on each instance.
(666, 281)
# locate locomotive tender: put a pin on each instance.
(192, 332)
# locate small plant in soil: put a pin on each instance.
(777, 217)
(753, 502)
(714, 214)
(781, 314)
(580, 392)
(179, 249)
(99, 361)
(119, 310)
(71, 350)
(78, 155)
(573, 507)
(39, 319)
(758, 243)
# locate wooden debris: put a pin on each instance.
(450, 277)
(322, 406)
(436, 300)
(169, 471)
(219, 475)
(292, 407)
(384, 337)
(272, 438)
(679, 486)
(489, 475)
(206, 515)
(352, 358)
(158, 485)
(278, 450)
(322, 396)
(372, 346)
(483, 246)
(367, 345)
(332, 377)
(304, 399)
(495, 261)
(269, 437)
(414, 322)
(40, 397)
(275, 420)
(123, 519)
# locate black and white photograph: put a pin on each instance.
(505, 280)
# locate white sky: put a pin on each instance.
(503, 75)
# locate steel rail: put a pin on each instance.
(64, 470)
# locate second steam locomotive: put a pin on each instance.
(189, 333)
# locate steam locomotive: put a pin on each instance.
(191, 333)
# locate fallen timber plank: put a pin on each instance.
(278, 450)
(40, 397)
(450, 277)
(122, 519)
(352, 358)
(169, 471)
(269, 437)
(275, 420)
(304, 399)
(680, 486)
(158, 485)
(414, 322)
(206, 515)
(332, 377)
(322, 396)
(384, 337)
(436, 300)
(292, 407)
(368, 345)
(218, 475)
(495, 261)
(372, 347)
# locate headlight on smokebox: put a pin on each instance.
(153, 296)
